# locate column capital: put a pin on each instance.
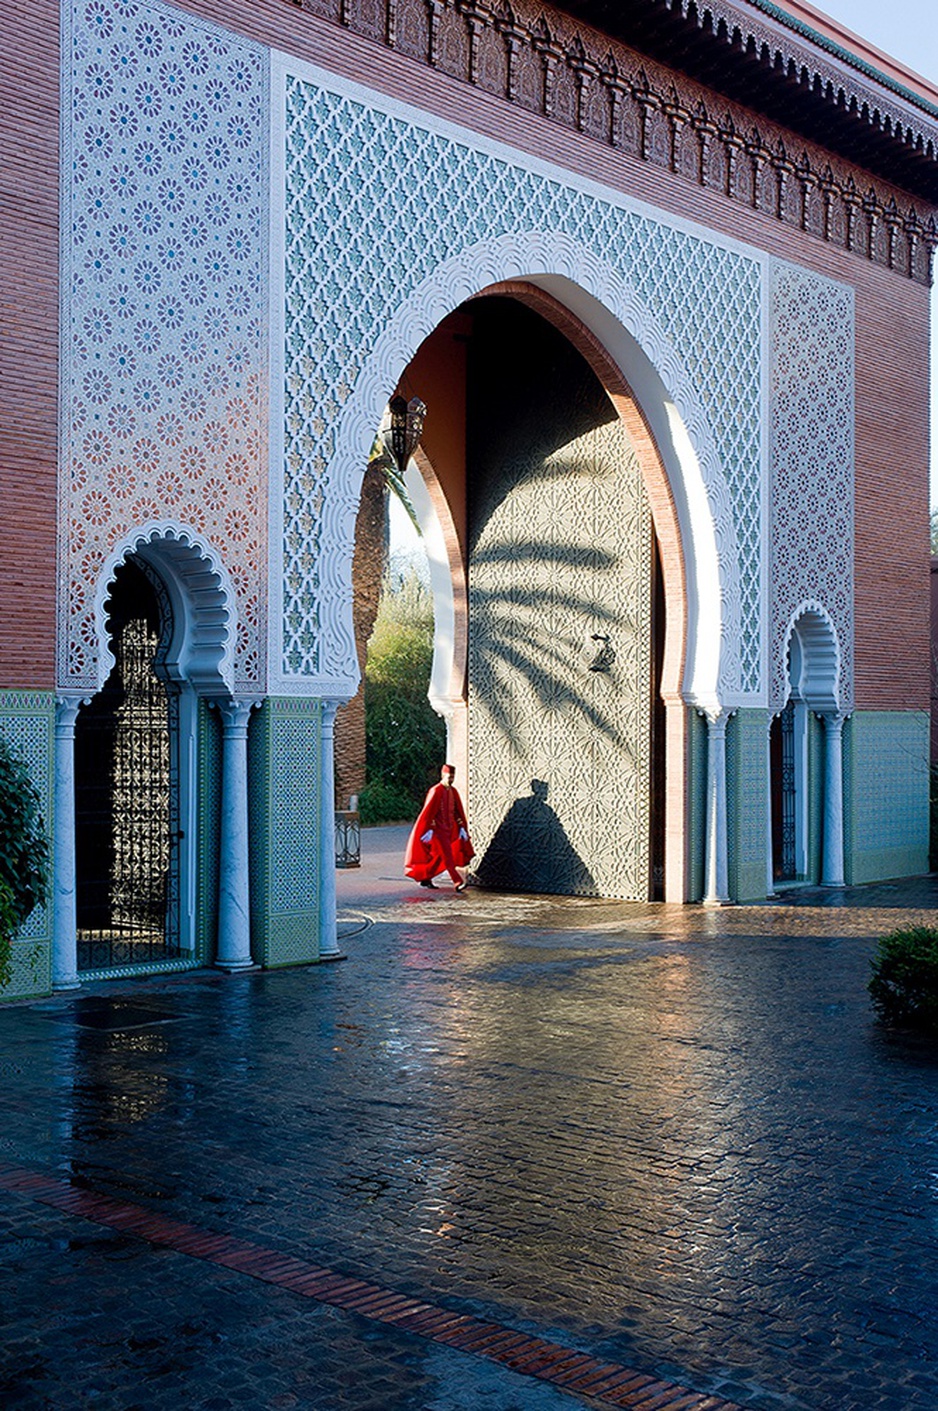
(717, 717)
(66, 711)
(235, 711)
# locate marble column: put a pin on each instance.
(64, 913)
(832, 837)
(328, 942)
(717, 869)
(234, 910)
(769, 841)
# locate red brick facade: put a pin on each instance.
(567, 109)
(29, 347)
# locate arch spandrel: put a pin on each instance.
(599, 297)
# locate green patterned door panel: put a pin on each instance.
(560, 612)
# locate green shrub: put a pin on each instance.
(24, 852)
(385, 803)
(904, 985)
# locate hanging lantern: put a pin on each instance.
(401, 436)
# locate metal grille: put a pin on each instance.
(348, 838)
(784, 796)
(126, 795)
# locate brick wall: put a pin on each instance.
(29, 145)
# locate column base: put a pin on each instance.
(232, 967)
(333, 955)
(62, 986)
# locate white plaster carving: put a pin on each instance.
(163, 353)
(204, 600)
(811, 460)
(364, 284)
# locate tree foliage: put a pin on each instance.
(24, 852)
(405, 738)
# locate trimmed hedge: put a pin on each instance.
(904, 985)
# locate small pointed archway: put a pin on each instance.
(813, 665)
(165, 622)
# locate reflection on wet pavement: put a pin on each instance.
(673, 1138)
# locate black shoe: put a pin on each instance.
(428, 883)
(460, 886)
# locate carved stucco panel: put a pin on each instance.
(388, 226)
(164, 306)
(812, 462)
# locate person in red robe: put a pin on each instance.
(439, 841)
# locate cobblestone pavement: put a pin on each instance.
(671, 1139)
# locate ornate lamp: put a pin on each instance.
(401, 437)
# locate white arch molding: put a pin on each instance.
(608, 306)
(203, 599)
(812, 656)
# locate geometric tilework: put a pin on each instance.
(284, 752)
(209, 755)
(374, 204)
(887, 794)
(747, 803)
(164, 304)
(560, 567)
(811, 458)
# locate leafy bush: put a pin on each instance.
(404, 737)
(904, 986)
(24, 852)
(385, 803)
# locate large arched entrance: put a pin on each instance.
(554, 618)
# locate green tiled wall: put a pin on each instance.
(747, 803)
(284, 781)
(697, 803)
(886, 794)
(209, 810)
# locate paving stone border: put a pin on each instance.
(604, 1383)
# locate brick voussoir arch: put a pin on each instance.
(687, 487)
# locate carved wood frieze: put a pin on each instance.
(546, 62)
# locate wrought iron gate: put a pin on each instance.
(127, 804)
(784, 796)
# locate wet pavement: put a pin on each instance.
(671, 1140)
